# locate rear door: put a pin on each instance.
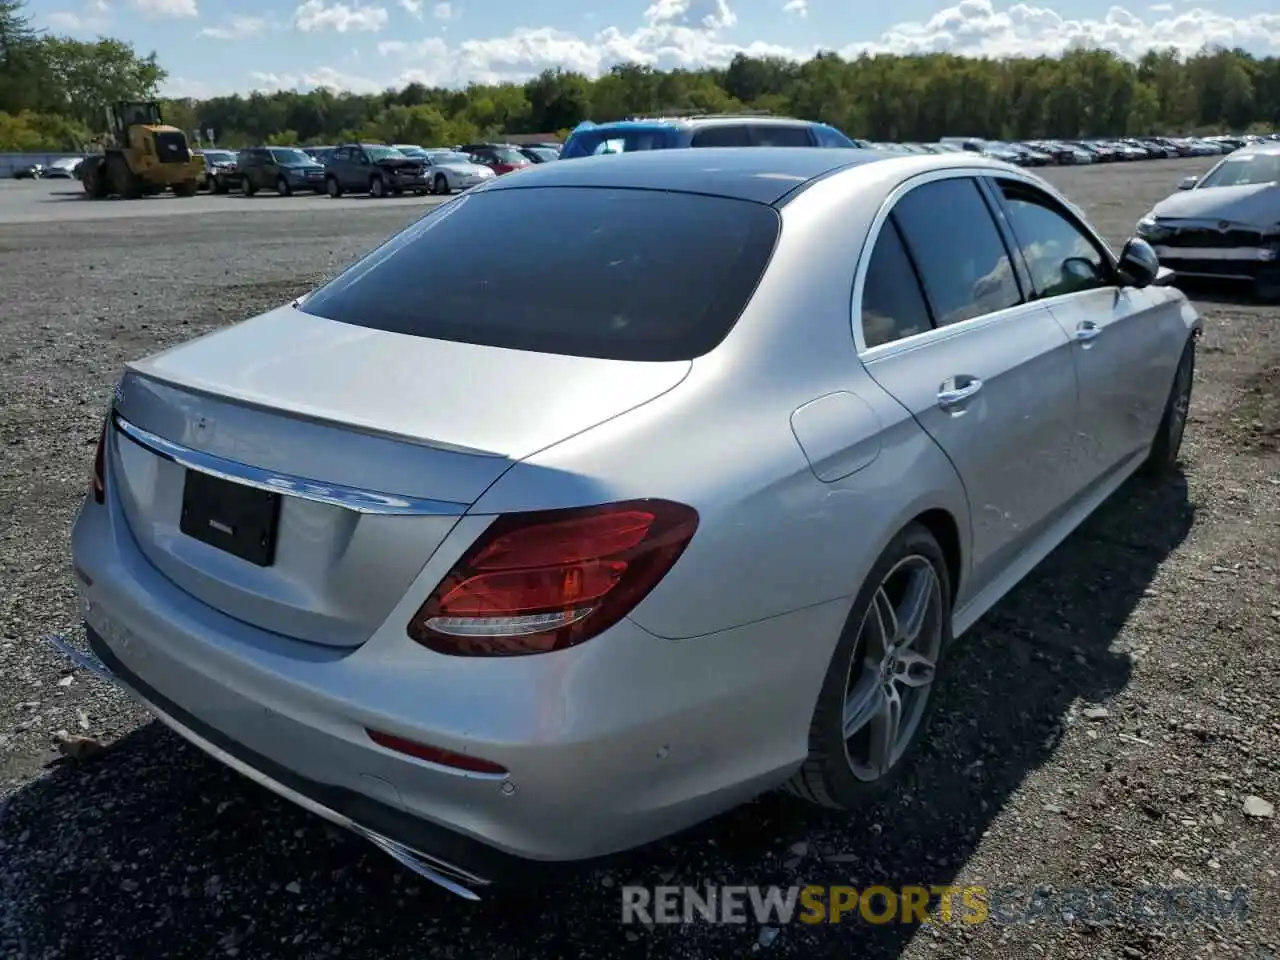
(942, 324)
(1121, 334)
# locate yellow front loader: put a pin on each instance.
(141, 156)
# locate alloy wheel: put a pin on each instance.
(893, 668)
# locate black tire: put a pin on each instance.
(377, 187)
(120, 179)
(332, 187)
(283, 188)
(828, 777)
(440, 185)
(247, 188)
(1163, 457)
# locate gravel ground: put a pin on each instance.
(1107, 726)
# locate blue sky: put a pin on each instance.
(221, 46)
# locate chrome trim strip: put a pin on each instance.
(419, 863)
(335, 495)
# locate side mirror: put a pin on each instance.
(1139, 265)
(1188, 183)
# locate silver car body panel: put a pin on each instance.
(804, 455)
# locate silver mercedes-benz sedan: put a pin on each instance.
(498, 551)
(1225, 224)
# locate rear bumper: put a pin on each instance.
(610, 745)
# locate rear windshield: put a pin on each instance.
(632, 275)
(618, 140)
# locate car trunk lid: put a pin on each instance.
(374, 443)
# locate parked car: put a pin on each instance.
(701, 130)
(411, 150)
(282, 169)
(448, 170)
(499, 157)
(62, 169)
(373, 168)
(438, 554)
(1064, 153)
(30, 171)
(1225, 224)
(536, 154)
(221, 173)
(319, 154)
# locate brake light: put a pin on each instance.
(99, 486)
(537, 582)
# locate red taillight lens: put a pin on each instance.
(536, 582)
(99, 485)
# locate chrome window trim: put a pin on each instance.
(978, 173)
(354, 499)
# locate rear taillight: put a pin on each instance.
(99, 486)
(537, 582)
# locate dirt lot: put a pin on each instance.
(1107, 726)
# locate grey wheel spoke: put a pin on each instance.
(885, 725)
(885, 619)
(914, 607)
(863, 703)
(913, 669)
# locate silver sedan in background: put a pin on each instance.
(449, 171)
(505, 552)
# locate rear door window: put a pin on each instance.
(722, 135)
(632, 275)
(953, 239)
(780, 135)
(893, 305)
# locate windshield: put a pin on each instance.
(449, 156)
(291, 156)
(543, 154)
(383, 153)
(220, 156)
(508, 155)
(412, 151)
(1243, 171)
(632, 275)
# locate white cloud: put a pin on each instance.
(799, 7)
(237, 28)
(976, 27)
(167, 8)
(92, 17)
(412, 7)
(317, 15)
(692, 33)
(1161, 8)
(320, 77)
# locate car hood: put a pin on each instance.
(1253, 203)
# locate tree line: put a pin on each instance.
(53, 91)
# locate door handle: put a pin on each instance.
(1087, 330)
(956, 390)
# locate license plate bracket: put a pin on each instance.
(240, 520)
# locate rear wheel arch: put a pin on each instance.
(946, 531)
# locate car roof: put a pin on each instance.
(672, 122)
(759, 174)
(1265, 147)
